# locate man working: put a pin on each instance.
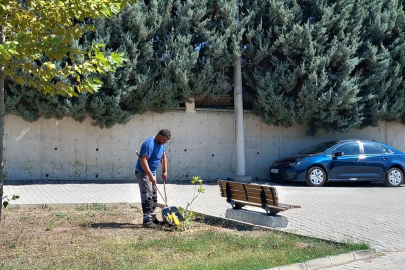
(151, 154)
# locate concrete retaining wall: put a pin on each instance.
(203, 144)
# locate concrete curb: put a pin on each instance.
(330, 261)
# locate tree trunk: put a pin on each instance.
(2, 114)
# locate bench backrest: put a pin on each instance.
(253, 193)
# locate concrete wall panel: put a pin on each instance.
(63, 149)
(202, 144)
(395, 135)
(22, 149)
(108, 152)
(221, 140)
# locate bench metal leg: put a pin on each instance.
(235, 205)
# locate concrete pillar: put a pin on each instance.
(239, 128)
(190, 106)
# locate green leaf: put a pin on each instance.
(5, 204)
(99, 56)
(21, 35)
(56, 41)
(14, 65)
(4, 53)
(97, 80)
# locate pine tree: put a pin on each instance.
(384, 62)
(307, 53)
(334, 65)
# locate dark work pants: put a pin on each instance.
(148, 196)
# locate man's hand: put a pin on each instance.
(153, 180)
(164, 176)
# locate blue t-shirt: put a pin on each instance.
(154, 151)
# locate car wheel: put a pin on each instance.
(316, 177)
(394, 177)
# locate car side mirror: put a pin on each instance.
(339, 154)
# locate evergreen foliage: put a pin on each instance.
(332, 65)
(177, 50)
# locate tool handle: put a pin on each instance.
(164, 189)
(162, 197)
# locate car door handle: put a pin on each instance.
(384, 158)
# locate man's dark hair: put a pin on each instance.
(165, 133)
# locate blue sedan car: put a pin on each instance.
(344, 160)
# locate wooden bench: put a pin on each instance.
(263, 196)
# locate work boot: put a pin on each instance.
(157, 222)
(149, 224)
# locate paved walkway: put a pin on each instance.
(342, 212)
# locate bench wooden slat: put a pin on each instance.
(263, 196)
(253, 197)
(251, 194)
(256, 194)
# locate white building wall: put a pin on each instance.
(203, 144)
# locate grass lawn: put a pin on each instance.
(100, 237)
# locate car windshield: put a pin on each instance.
(319, 148)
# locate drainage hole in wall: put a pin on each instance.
(257, 152)
(186, 175)
(46, 175)
(56, 148)
(213, 155)
(185, 150)
(96, 149)
(97, 175)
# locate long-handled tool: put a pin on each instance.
(170, 213)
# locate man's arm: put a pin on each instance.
(164, 167)
(145, 167)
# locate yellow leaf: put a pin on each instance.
(20, 80)
(51, 66)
